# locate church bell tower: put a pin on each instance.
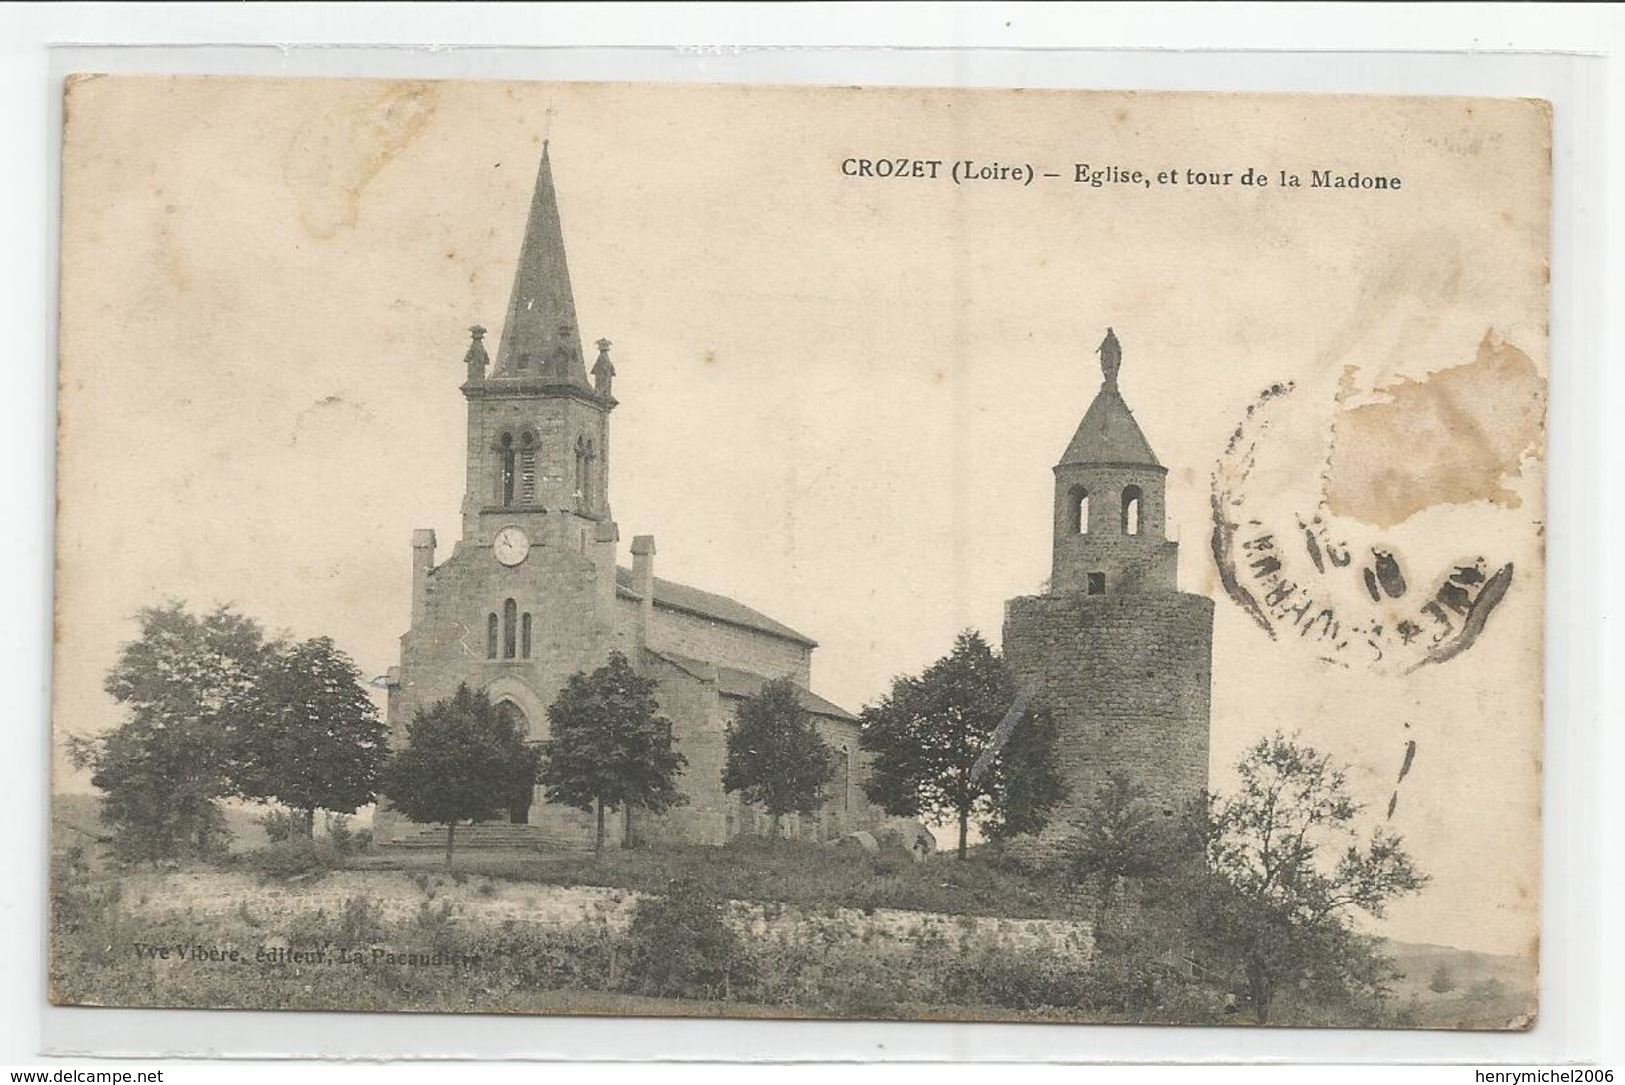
(538, 429)
(1109, 527)
(527, 596)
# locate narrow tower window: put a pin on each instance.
(527, 468)
(491, 637)
(581, 470)
(505, 450)
(1097, 583)
(510, 631)
(1131, 510)
(1079, 504)
(524, 636)
(587, 484)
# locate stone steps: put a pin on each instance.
(492, 835)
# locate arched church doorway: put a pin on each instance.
(518, 803)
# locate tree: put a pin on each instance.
(462, 761)
(1022, 781)
(190, 686)
(318, 743)
(1119, 836)
(929, 731)
(1442, 981)
(775, 758)
(1287, 868)
(609, 748)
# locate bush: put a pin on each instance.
(679, 945)
(345, 840)
(296, 857)
(280, 825)
(1015, 980)
(200, 834)
(360, 922)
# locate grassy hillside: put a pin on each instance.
(75, 819)
(1485, 990)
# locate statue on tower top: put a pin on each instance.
(1111, 357)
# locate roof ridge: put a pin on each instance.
(708, 604)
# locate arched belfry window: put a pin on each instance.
(1131, 510)
(492, 624)
(510, 629)
(1078, 505)
(505, 460)
(524, 635)
(527, 468)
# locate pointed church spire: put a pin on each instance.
(540, 338)
(1111, 357)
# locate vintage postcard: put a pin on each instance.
(977, 555)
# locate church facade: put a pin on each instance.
(1121, 656)
(533, 592)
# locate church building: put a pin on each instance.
(1119, 655)
(533, 591)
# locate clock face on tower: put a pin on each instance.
(511, 545)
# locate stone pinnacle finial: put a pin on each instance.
(476, 359)
(1111, 357)
(603, 370)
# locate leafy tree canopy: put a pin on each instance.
(608, 746)
(776, 759)
(929, 731)
(190, 686)
(318, 743)
(1120, 835)
(1290, 868)
(463, 760)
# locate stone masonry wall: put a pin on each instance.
(1129, 680)
(720, 642)
(1130, 564)
(699, 721)
(221, 900)
(448, 647)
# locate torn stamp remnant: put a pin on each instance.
(1327, 567)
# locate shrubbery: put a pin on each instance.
(680, 946)
(294, 857)
(345, 840)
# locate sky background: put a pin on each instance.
(840, 398)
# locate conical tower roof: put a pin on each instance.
(1108, 432)
(540, 337)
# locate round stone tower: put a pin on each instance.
(1121, 656)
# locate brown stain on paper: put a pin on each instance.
(1453, 437)
(335, 155)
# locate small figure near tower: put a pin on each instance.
(1121, 656)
